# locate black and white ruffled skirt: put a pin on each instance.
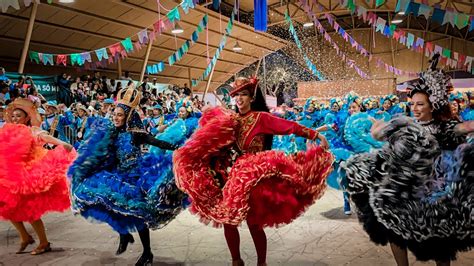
(412, 194)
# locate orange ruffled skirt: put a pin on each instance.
(32, 179)
(266, 188)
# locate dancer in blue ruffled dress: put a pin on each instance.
(179, 129)
(334, 120)
(468, 113)
(115, 183)
(391, 104)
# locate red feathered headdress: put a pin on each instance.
(242, 83)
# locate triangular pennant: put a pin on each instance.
(34, 56)
(173, 14)
(127, 44)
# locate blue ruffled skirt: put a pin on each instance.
(146, 196)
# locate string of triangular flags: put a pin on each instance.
(111, 53)
(449, 58)
(441, 16)
(308, 62)
(348, 38)
(217, 54)
(5, 4)
(350, 63)
(176, 56)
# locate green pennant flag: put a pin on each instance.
(462, 21)
(351, 6)
(393, 27)
(76, 59)
(34, 56)
(127, 44)
(379, 2)
(173, 14)
(446, 53)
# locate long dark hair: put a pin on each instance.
(259, 104)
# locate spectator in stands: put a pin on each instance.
(3, 77)
(112, 87)
(106, 109)
(35, 97)
(2, 110)
(4, 93)
(75, 85)
(126, 76)
(145, 86)
(65, 95)
(55, 123)
(186, 90)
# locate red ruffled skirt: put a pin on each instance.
(32, 179)
(266, 188)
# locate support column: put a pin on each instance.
(145, 61)
(209, 82)
(265, 90)
(190, 81)
(29, 31)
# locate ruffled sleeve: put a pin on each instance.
(277, 126)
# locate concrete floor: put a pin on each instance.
(323, 236)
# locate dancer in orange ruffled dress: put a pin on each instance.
(230, 175)
(32, 178)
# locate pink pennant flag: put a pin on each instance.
(157, 26)
(372, 18)
(61, 59)
(461, 60)
(138, 46)
(429, 49)
(152, 35)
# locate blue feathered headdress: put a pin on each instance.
(310, 101)
(186, 103)
(456, 96)
(337, 101)
(353, 97)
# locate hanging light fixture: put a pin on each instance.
(308, 24)
(401, 13)
(66, 1)
(177, 29)
(237, 47)
(397, 21)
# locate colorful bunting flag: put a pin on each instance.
(34, 57)
(101, 53)
(173, 15)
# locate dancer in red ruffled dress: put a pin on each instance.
(32, 178)
(230, 174)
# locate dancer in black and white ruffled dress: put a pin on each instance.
(417, 191)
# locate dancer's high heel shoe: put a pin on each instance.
(238, 262)
(124, 240)
(145, 259)
(23, 245)
(41, 249)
